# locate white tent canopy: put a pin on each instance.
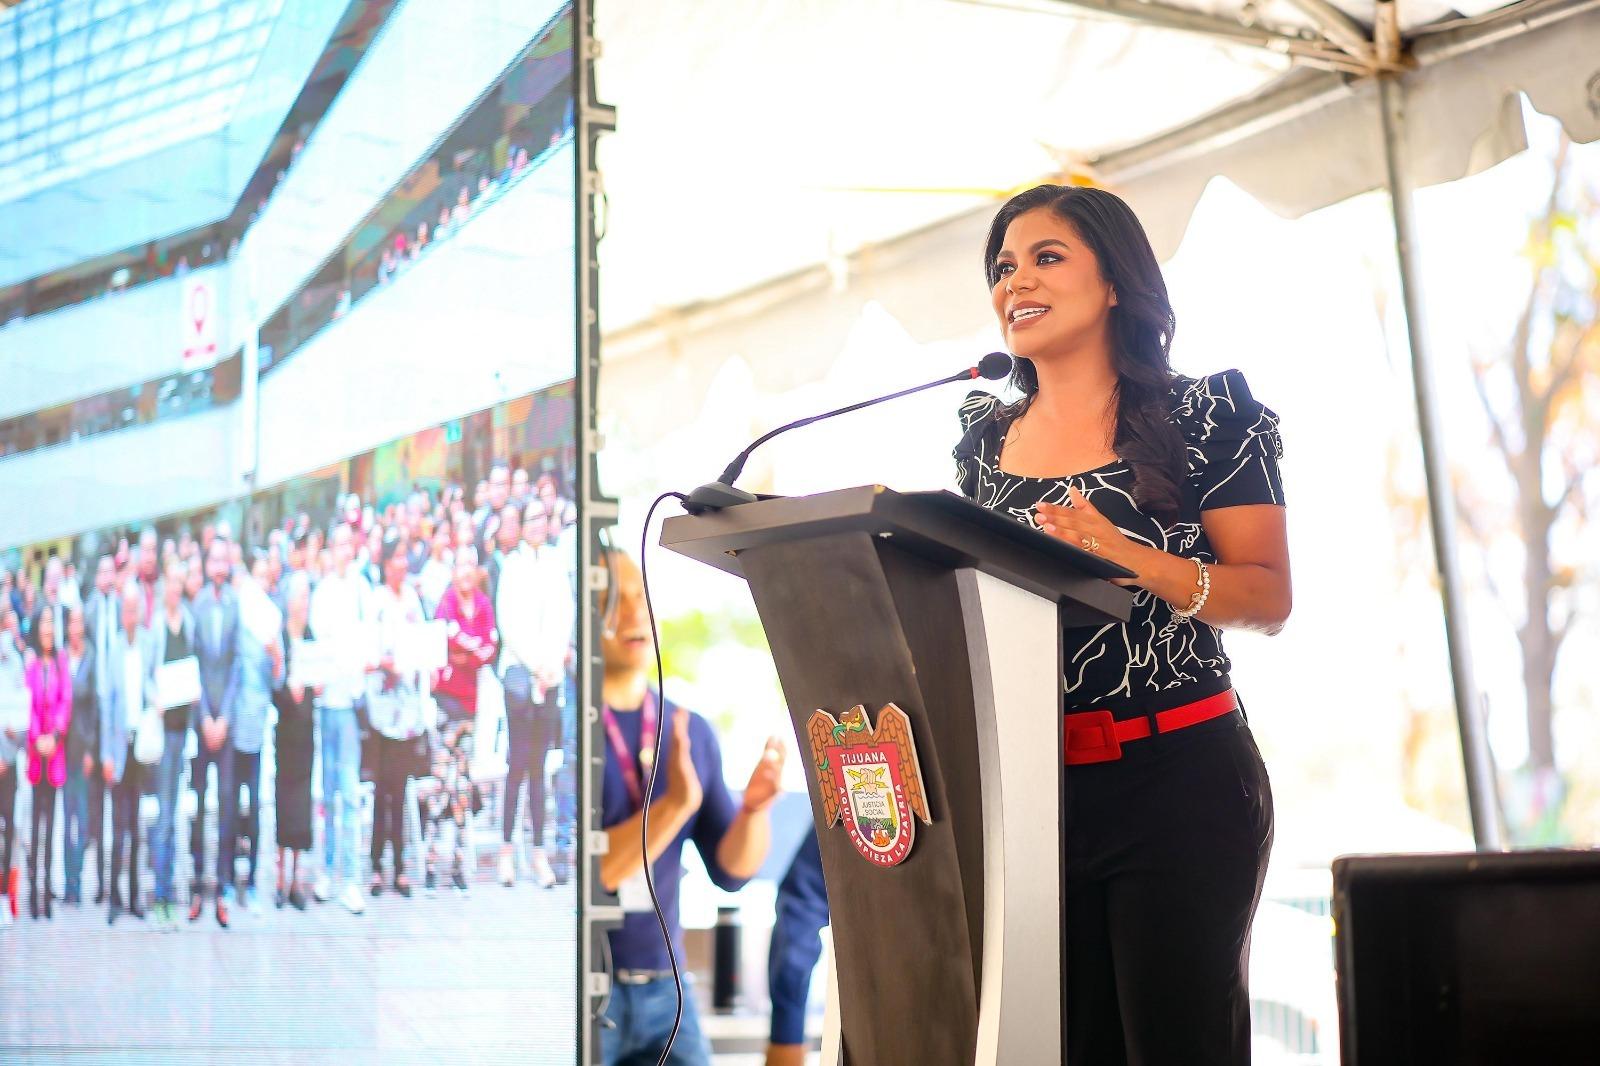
(1315, 138)
(758, 140)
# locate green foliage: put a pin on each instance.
(686, 637)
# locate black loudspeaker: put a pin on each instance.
(1482, 958)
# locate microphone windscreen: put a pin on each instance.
(994, 366)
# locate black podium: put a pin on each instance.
(922, 613)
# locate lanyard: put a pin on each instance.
(626, 763)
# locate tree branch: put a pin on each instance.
(1564, 365)
(1574, 487)
(1467, 515)
(1502, 444)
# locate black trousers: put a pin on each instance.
(393, 762)
(8, 823)
(125, 796)
(1165, 856)
(227, 804)
(531, 729)
(97, 819)
(97, 826)
(44, 835)
(247, 778)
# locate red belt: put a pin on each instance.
(1095, 736)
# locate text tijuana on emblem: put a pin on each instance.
(869, 777)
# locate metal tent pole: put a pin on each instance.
(1486, 829)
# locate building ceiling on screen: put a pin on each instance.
(88, 84)
(801, 133)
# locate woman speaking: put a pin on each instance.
(1168, 811)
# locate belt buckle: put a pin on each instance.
(1090, 737)
(635, 977)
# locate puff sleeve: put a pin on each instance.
(976, 415)
(1232, 441)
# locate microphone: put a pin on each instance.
(716, 495)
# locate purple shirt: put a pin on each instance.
(637, 945)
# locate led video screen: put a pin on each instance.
(288, 609)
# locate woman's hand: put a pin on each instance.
(1082, 525)
(45, 745)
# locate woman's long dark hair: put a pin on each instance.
(36, 634)
(1142, 325)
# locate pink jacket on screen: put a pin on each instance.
(459, 678)
(52, 711)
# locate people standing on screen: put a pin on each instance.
(505, 536)
(372, 556)
(172, 640)
(341, 615)
(396, 704)
(83, 751)
(149, 572)
(259, 666)
(71, 590)
(519, 487)
(27, 614)
(535, 610)
(800, 912)
(419, 547)
(293, 746)
(50, 601)
(204, 619)
(130, 694)
(14, 681)
(473, 641)
(496, 494)
(690, 802)
(480, 504)
(49, 681)
(216, 624)
(433, 581)
(1175, 478)
(194, 580)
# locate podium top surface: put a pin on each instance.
(942, 527)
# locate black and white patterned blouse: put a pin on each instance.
(1233, 452)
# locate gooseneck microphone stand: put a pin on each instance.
(716, 495)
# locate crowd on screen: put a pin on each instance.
(311, 685)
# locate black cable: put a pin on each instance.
(607, 969)
(650, 785)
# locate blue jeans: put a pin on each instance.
(163, 850)
(227, 812)
(802, 911)
(642, 1015)
(80, 830)
(341, 791)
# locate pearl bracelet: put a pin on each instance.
(1198, 600)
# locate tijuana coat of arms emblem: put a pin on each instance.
(869, 778)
